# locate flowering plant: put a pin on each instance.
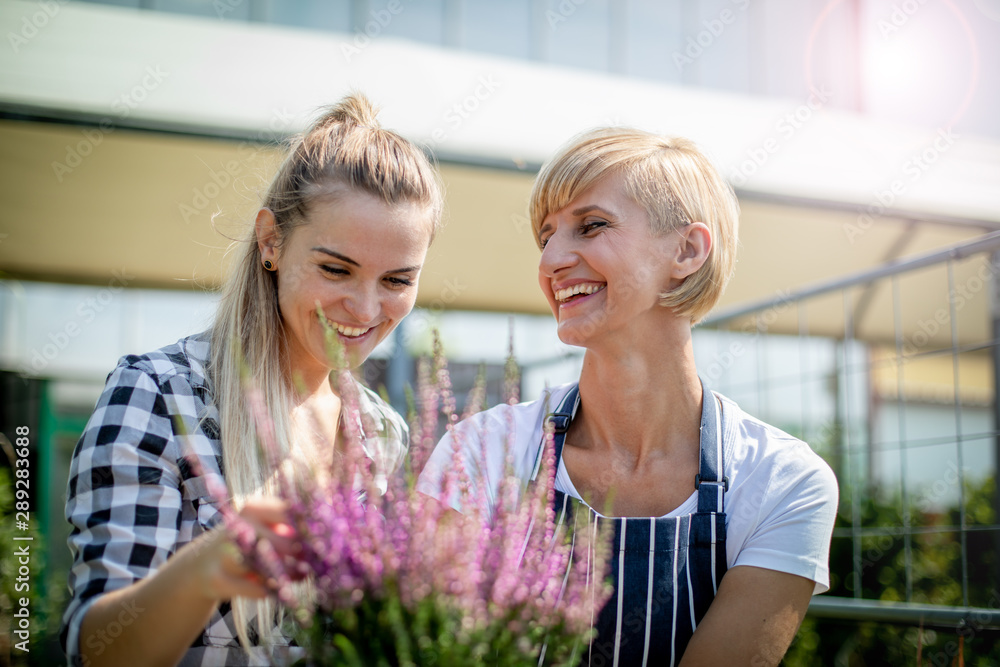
(398, 578)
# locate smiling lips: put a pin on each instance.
(349, 332)
(564, 295)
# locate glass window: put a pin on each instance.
(53, 330)
(653, 36)
(419, 21)
(782, 40)
(221, 9)
(577, 35)
(718, 34)
(495, 26)
(335, 16)
(120, 3)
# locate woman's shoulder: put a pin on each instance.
(528, 415)
(185, 359)
(752, 445)
(383, 418)
(512, 429)
(781, 504)
(145, 392)
(490, 441)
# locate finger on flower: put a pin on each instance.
(269, 519)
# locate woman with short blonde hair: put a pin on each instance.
(673, 182)
(722, 523)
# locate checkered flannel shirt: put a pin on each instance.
(133, 501)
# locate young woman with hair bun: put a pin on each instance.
(345, 224)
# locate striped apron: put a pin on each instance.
(665, 571)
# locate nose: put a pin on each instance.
(363, 303)
(557, 255)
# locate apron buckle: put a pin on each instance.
(698, 481)
(560, 422)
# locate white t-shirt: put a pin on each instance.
(780, 506)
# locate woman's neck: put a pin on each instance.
(643, 395)
(311, 383)
(315, 422)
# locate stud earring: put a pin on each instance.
(269, 265)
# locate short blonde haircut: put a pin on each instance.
(671, 179)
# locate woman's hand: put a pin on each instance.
(220, 566)
(177, 601)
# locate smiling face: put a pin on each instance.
(602, 268)
(356, 256)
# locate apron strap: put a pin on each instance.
(560, 420)
(710, 481)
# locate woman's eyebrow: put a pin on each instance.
(589, 208)
(333, 253)
(348, 260)
(577, 212)
(406, 269)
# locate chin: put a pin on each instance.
(572, 335)
(354, 361)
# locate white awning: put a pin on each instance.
(163, 70)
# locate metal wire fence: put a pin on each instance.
(891, 375)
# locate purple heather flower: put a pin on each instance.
(507, 567)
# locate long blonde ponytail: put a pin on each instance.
(345, 146)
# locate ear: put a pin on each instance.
(267, 235)
(694, 244)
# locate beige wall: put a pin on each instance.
(149, 205)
